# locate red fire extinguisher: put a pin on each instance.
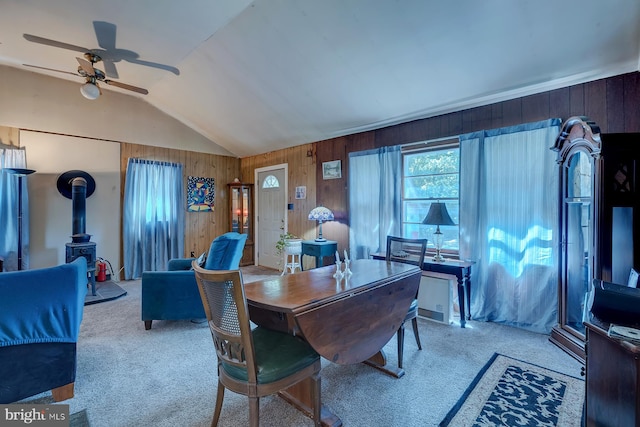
(102, 272)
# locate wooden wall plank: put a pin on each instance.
(454, 124)
(560, 103)
(497, 118)
(630, 103)
(433, 129)
(595, 100)
(536, 107)
(482, 119)
(512, 112)
(615, 112)
(576, 97)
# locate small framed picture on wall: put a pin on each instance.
(301, 192)
(332, 170)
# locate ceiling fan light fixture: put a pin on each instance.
(90, 90)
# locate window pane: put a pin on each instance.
(449, 234)
(432, 187)
(415, 210)
(432, 162)
(417, 231)
(271, 182)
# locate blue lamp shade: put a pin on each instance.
(320, 214)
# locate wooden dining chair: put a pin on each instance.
(408, 251)
(256, 362)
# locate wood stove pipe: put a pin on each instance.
(79, 211)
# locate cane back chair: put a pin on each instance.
(256, 362)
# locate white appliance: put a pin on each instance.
(435, 296)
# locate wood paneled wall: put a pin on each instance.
(200, 227)
(613, 103)
(302, 168)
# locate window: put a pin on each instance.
(271, 182)
(153, 219)
(431, 175)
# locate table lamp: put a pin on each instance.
(438, 215)
(320, 214)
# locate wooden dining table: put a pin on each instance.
(345, 320)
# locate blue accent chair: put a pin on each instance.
(173, 294)
(40, 315)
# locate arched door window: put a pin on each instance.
(270, 182)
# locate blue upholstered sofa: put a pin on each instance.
(40, 315)
(173, 294)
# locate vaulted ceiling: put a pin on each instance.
(256, 76)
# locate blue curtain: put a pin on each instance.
(375, 199)
(509, 223)
(13, 158)
(153, 219)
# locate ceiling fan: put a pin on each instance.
(90, 89)
(108, 53)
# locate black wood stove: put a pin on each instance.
(82, 185)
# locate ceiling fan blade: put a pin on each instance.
(51, 69)
(106, 34)
(54, 43)
(126, 86)
(86, 66)
(110, 68)
(174, 70)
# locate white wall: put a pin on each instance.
(50, 212)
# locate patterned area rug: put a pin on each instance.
(510, 392)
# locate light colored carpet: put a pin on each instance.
(166, 376)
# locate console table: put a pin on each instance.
(318, 250)
(460, 269)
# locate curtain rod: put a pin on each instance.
(432, 143)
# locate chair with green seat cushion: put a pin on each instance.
(408, 251)
(256, 362)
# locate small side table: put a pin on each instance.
(318, 250)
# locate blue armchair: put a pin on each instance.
(40, 315)
(173, 294)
